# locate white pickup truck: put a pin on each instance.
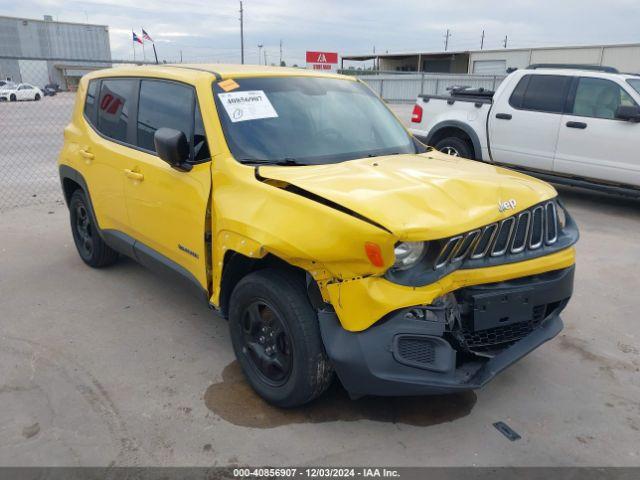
(576, 125)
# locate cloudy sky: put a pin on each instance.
(208, 30)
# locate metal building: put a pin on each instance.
(47, 51)
(624, 57)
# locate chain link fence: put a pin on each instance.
(405, 87)
(32, 121)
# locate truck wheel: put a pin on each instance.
(92, 249)
(276, 338)
(455, 146)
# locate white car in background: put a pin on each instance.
(22, 91)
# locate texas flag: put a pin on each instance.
(137, 38)
(146, 36)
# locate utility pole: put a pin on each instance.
(446, 40)
(482, 41)
(241, 34)
(280, 52)
(265, 57)
(259, 53)
(180, 56)
(506, 38)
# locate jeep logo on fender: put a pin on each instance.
(508, 205)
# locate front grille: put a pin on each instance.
(415, 350)
(529, 230)
(505, 334)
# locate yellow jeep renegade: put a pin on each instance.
(298, 205)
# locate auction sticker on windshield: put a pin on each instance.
(249, 105)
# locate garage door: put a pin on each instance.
(490, 67)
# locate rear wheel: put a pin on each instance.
(276, 338)
(91, 248)
(455, 146)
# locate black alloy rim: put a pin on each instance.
(84, 237)
(266, 343)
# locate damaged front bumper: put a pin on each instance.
(459, 343)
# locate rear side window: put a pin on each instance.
(541, 93)
(164, 104)
(90, 101)
(115, 106)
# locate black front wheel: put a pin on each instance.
(37, 97)
(276, 338)
(91, 248)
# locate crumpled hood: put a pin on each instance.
(418, 197)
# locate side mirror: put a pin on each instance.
(628, 113)
(172, 147)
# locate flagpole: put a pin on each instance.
(134, 45)
(144, 56)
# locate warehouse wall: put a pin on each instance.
(34, 38)
(625, 58)
(513, 58)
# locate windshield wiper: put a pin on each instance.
(373, 155)
(263, 161)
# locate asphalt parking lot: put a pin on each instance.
(117, 367)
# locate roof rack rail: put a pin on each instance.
(572, 66)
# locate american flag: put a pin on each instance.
(137, 38)
(146, 36)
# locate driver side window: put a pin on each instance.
(599, 98)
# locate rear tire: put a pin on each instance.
(455, 146)
(91, 248)
(276, 338)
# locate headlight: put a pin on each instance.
(408, 254)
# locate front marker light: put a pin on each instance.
(408, 254)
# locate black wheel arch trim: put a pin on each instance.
(68, 173)
(470, 132)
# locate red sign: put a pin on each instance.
(322, 57)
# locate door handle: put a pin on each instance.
(504, 116)
(133, 175)
(580, 125)
(87, 155)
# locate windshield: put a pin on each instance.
(306, 120)
(635, 83)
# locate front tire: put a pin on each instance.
(13, 98)
(455, 146)
(276, 338)
(91, 248)
(37, 97)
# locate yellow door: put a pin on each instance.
(168, 208)
(102, 152)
